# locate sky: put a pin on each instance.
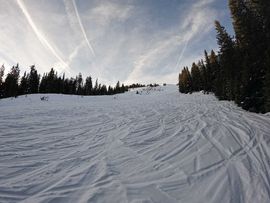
(132, 41)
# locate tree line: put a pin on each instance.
(240, 71)
(51, 82)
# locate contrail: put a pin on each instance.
(82, 28)
(182, 53)
(39, 34)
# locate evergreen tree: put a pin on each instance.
(59, 84)
(204, 78)
(50, 84)
(66, 89)
(2, 71)
(261, 8)
(215, 74)
(123, 88)
(185, 81)
(11, 82)
(72, 86)
(208, 73)
(62, 80)
(103, 90)
(43, 83)
(79, 84)
(110, 90)
(95, 90)
(196, 78)
(246, 23)
(117, 88)
(33, 80)
(241, 71)
(228, 69)
(24, 84)
(99, 89)
(88, 87)
(267, 87)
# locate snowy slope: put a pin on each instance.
(159, 146)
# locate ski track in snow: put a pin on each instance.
(161, 147)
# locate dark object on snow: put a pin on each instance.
(44, 98)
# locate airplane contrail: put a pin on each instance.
(182, 53)
(39, 34)
(82, 28)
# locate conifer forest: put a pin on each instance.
(240, 70)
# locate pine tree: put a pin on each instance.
(213, 59)
(241, 71)
(11, 82)
(2, 71)
(185, 81)
(79, 85)
(66, 86)
(227, 67)
(250, 39)
(24, 84)
(50, 84)
(95, 90)
(117, 88)
(110, 90)
(204, 78)
(43, 83)
(103, 90)
(261, 8)
(59, 85)
(208, 72)
(72, 86)
(33, 80)
(267, 87)
(88, 87)
(196, 78)
(99, 89)
(123, 88)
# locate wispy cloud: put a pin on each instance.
(131, 41)
(196, 24)
(70, 7)
(107, 12)
(40, 35)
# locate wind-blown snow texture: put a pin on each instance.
(159, 146)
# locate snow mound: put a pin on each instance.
(160, 146)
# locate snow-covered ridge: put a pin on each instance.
(156, 147)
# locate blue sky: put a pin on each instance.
(128, 40)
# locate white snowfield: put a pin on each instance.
(158, 146)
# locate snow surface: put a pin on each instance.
(156, 146)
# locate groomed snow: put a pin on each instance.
(157, 146)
